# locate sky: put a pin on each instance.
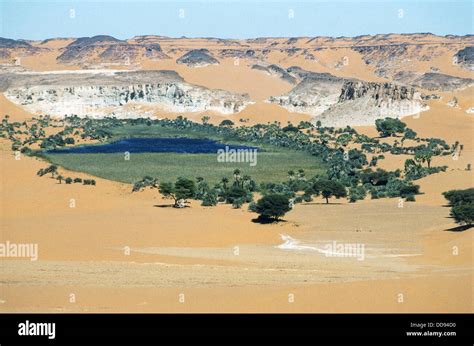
(37, 20)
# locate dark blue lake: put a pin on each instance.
(153, 145)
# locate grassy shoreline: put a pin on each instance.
(273, 163)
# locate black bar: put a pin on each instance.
(220, 329)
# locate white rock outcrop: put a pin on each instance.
(104, 95)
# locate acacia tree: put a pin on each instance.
(409, 134)
(327, 189)
(389, 127)
(180, 191)
(272, 206)
(462, 205)
(226, 123)
(424, 155)
(205, 119)
(53, 169)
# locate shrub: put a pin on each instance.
(357, 193)
(290, 128)
(227, 123)
(389, 127)
(409, 190)
(209, 198)
(273, 206)
(328, 189)
(182, 189)
(459, 197)
(463, 214)
(237, 203)
(376, 178)
(374, 194)
(462, 205)
(253, 207)
(236, 192)
(146, 181)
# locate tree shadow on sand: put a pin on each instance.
(265, 220)
(459, 228)
(169, 206)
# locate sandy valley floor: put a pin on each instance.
(217, 260)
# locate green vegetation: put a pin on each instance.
(180, 191)
(226, 122)
(389, 127)
(53, 169)
(272, 207)
(170, 166)
(462, 205)
(327, 189)
(295, 163)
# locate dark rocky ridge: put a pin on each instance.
(9, 43)
(433, 81)
(10, 49)
(88, 41)
(465, 57)
(277, 71)
(108, 50)
(197, 58)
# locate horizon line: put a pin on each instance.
(239, 39)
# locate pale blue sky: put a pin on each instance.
(34, 19)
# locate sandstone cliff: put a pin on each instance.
(101, 94)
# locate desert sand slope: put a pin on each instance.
(16, 113)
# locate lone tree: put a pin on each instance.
(462, 205)
(328, 189)
(226, 123)
(389, 127)
(424, 155)
(181, 190)
(53, 169)
(205, 119)
(409, 134)
(272, 206)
